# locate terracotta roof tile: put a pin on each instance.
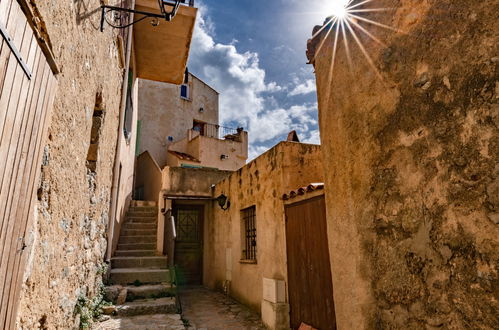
(303, 190)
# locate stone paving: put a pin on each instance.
(143, 322)
(206, 309)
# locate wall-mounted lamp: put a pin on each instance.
(121, 15)
(201, 109)
(224, 157)
(223, 202)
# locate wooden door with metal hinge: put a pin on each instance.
(309, 269)
(27, 89)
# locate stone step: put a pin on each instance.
(134, 253)
(147, 211)
(137, 246)
(143, 203)
(144, 276)
(137, 232)
(139, 262)
(142, 226)
(149, 291)
(131, 293)
(141, 220)
(136, 239)
(143, 322)
(147, 307)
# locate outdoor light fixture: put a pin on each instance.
(223, 201)
(168, 9)
(224, 157)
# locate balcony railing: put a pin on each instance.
(219, 132)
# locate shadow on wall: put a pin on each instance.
(83, 12)
(118, 221)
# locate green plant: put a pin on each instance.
(137, 283)
(90, 309)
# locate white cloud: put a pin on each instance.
(304, 88)
(245, 97)
(255, 151)
(313, 138)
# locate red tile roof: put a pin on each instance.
(303, 190)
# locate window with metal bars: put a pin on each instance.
(248, 226)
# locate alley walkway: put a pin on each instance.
(206, 309)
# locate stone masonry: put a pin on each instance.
(68, 237)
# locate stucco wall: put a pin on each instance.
(67, 237)
(261, 183)
(164, 113)
(411, 169)
(148, 177)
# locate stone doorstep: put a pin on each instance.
(137, 246)
(147, 307)
(146, 276)
(139, 261)
(134, 253)
(136, 239)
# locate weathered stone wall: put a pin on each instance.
(68, 237)
(261, 183)
(412, 168)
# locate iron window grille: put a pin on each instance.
(248, 217)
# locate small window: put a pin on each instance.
(184, 91)
(248, 226)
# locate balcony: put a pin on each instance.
(210, 145)
(162, 50)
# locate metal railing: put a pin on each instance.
(221, 132)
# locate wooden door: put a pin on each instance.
(27, 89)
(189, 243)
(309, 270)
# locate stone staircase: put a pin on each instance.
(140, 282)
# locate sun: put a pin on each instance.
(337, 8)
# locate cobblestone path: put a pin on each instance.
(206, 309)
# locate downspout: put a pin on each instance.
(117, 155)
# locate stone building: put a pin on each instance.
(411, 151)
(246, 246)
(69, 141)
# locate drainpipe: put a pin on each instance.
(113, 209)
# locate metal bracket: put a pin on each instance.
(15, 51)
(163, 4)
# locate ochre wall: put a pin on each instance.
(67, 240)
(262, 182)
(164, 113)
(412, 169)
(148, 176)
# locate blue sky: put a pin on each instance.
(253, 53)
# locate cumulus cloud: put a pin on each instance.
(314, 137)
(246, 98)
(304, 88)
